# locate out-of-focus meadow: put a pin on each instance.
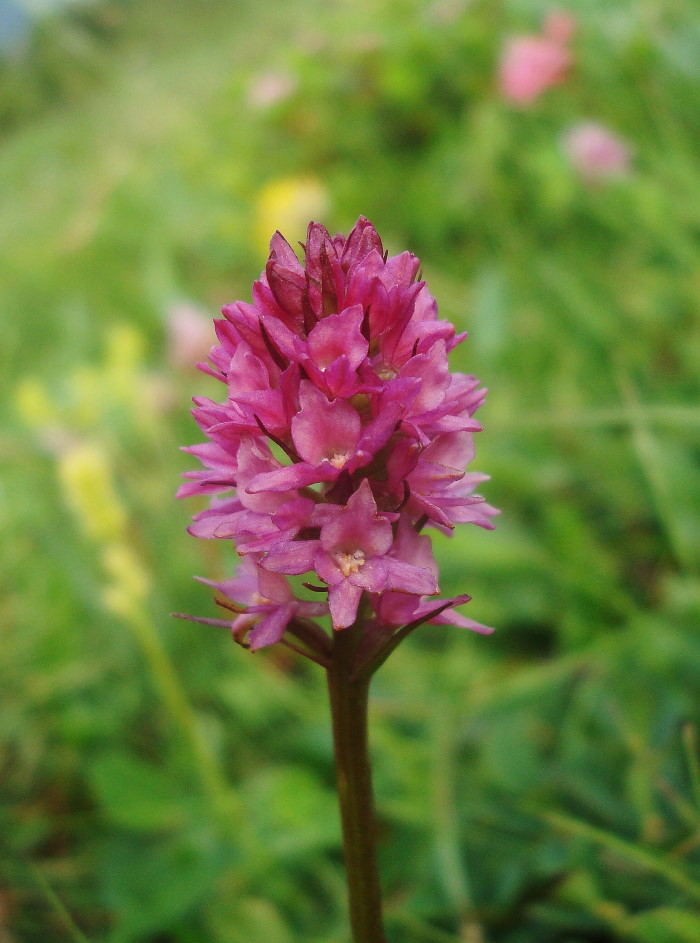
(160, 785)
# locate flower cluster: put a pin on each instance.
(343, 434)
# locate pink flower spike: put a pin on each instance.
(343, 433)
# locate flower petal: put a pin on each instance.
(406, 578)
(343, 599)
(271, 628)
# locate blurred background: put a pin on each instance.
(160, 785)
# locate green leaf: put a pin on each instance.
(651, 861)
(665, 925)
(293, 811)
(134, 794)
(152, 882)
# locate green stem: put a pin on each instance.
(348, 700)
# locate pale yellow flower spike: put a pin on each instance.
(128, 586)
(34, 404)
(86, 479)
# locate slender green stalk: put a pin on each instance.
(348, 700)
(181, 711)
(690, 742)
(651, 861)
(69, 925)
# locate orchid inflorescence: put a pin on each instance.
(344, 434)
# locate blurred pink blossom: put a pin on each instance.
(531, 64)
(271, 88)
(189, 336)
(595, 152)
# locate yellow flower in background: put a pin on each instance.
(92, 396)
(124, 356)
(86, 480)
(287, 204)
(34, 405)
(128, 581)
(76, 422)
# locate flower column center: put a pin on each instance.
(349, 563)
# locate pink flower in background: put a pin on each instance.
(342, 435)
(189, 336)
(531, 64)
(271, 88)
(595, 152)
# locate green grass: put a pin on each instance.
(539, 786)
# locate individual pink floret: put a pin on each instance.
(353, 557)
(396, 609)
(269, 601)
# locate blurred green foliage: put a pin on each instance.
(539, 786)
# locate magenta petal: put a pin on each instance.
(450, 617)
(271, 628)
(274, 586)
(394, 609)
(343, 601)
(323, 430)
(358, 527)
(375, 435)
(406, 578)
(245, 371)
(294, 558)
(338, 335)
(371, 575)
(362, 239)
(286, 278)
(280, 336)
(434, 375)
(207, 527)
(340, 378)
(290, 477)
(327, 568)
(312, 610)
(243, 586)
(254, 458)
